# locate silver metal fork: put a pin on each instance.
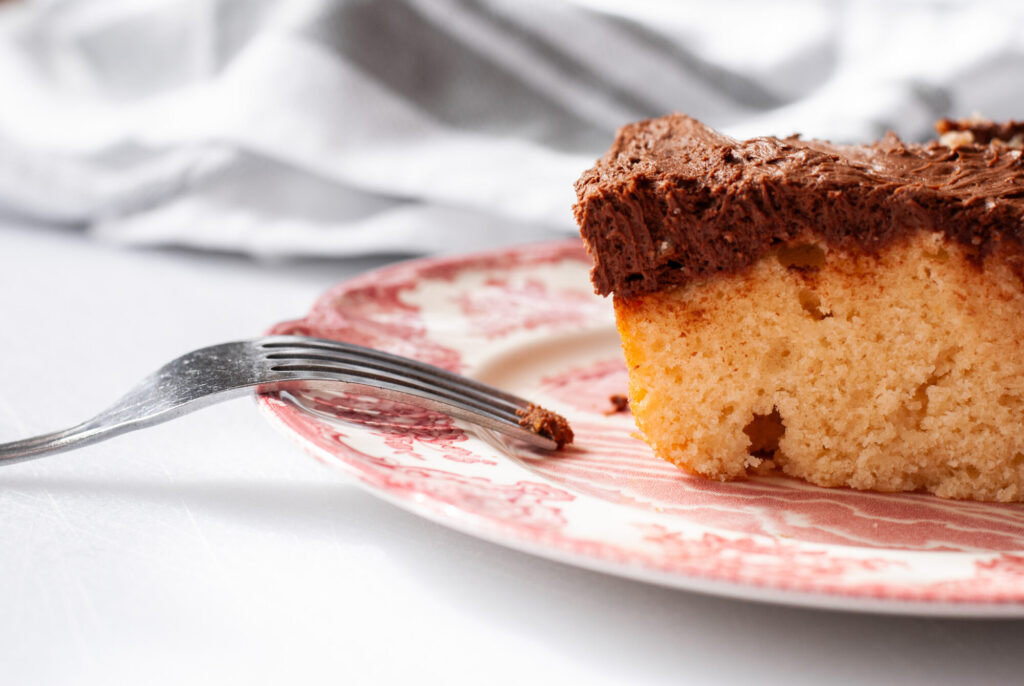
(274, 363)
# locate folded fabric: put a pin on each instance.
(409, 126)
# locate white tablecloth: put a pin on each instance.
(212, 551)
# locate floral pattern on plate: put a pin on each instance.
(526, 319)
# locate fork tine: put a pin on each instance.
(355, 373)
(303, 345)
(523, 426)
(342, 361)
(357, 364)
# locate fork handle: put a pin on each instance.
(78, 436)
(108, 424)
(58, 441)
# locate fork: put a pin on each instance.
(287, 363)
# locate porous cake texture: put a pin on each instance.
(845, 353)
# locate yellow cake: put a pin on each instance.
(849, 315)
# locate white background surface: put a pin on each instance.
(211, 550)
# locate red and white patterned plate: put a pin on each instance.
(526, 319)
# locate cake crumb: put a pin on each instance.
(620, 403)
(546, 423)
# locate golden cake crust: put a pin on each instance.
(898, 370)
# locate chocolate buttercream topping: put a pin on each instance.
(983, 131)
(673, 200)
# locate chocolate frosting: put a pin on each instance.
(983, 131)
(673, 200)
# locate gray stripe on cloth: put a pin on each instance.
(740, 89)
(456, 85)
(571, 68)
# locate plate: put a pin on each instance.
(526, 319)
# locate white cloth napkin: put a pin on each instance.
(343, 128)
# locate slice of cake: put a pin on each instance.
(849, 315)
